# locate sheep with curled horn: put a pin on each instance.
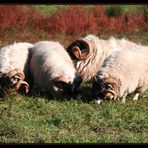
(14, 64)
(52, 69)
(123, 72)
(88, 53)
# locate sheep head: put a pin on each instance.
(63, 86)
(14, 79)
(106, 88)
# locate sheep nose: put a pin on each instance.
(68, 89)
(72, 89)
(108, 97)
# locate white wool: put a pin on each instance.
(14, 56)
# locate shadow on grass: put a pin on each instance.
(83, 95)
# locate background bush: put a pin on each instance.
(113, 11)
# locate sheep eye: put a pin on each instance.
(60, 84)
(108, 86)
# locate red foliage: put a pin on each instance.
(72, 20)
(76, 20)
(18, 17)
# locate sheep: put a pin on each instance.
(123, 72)
(52, 69)
(88, 53)
(14, 63)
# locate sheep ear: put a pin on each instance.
(80, 54)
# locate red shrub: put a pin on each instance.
(76, 20)
(18, 17)
(101, 20)
(136, 21)
(73, 20)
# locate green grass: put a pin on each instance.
(129, 8)
(36, 119)
(47, 9)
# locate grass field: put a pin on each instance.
(37, 118)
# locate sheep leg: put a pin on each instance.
(135, 98)
(98, 101)
(138, 91)
(124, 98)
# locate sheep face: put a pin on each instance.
(10, 83)
(14, 79)
(62, 86)
(106, 88)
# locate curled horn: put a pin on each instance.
(79, 49)
(20, 83)
(16, 72)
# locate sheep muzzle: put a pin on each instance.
(63, 87)
(110, 94)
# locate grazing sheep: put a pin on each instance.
(14, 60)
(52, 69)
(122, 73)
(89, 53)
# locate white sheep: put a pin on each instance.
(14, 64)
(123, 72)
(89, 53)
(52, 69)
